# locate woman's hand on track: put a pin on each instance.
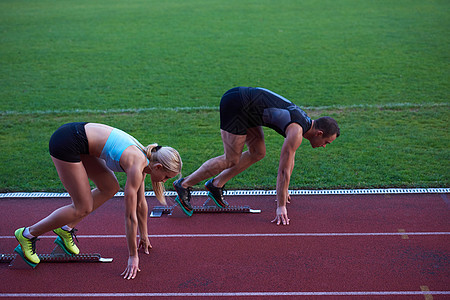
(144, 243)
(132, 268)
(282, 217)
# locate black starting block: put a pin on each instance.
(59, 254)
(176, 211)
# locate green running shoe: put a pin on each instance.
(184, 197)
(67, 238)
(216, 194)
(28, 246)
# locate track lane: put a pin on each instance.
(320, 263)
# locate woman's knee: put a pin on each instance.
(110, 188)
(104, 179)
(82, 211)
(115, 187)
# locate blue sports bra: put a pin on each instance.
(117, 142)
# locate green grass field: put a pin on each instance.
(157, 69)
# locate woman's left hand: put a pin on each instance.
(282, 217)
(144, 243)
(132, 268)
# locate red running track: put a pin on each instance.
(394, 246)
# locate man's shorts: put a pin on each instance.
(234, 115)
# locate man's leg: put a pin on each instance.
(233, 145)
(256, 151)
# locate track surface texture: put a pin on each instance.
(388, 246)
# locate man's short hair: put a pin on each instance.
(328, 125)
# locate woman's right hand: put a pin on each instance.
(132, 268)
(144, 243)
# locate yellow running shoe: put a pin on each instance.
(67, 237)
(28, 246)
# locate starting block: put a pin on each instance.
(176, 211)
(59, 254)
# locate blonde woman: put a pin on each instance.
(83, 151)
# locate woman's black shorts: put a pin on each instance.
(69, 141)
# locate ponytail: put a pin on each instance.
(148, 150)
(170, 159)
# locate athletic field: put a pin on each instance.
(369, 213)
(157, 69)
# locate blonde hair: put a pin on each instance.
(170, 159)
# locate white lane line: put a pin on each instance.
(238, 235)
(211, 108)
(257, 192)
(228, 294)
(110, 110)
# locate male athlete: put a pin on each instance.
(243, 110)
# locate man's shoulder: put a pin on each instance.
(295, 130)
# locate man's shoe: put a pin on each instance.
(28, 246)
(216, 194)
(184, 197)
(67, 240)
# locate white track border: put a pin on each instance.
(257, 192)
(230, 294)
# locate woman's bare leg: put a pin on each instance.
(104, 179)
(75, 179)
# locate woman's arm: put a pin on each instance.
(142, 216)
(134, 182)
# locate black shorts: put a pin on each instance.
(234, 115)
(69, 141)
